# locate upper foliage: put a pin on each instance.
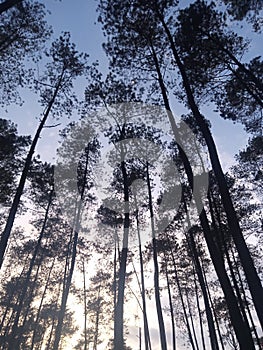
(23, 32)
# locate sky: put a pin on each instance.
(79, 17)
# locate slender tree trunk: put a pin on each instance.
(118, 314)
(17, 330)
(162, 332)
(221, 240)
(244, 254)
(27, 309)
(140, 338)
(48, 345)
(11, 217)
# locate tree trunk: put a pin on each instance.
(10, 297)
(221, 240)
(68, 276)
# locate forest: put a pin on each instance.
(134, 236)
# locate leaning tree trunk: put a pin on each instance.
(244, 254)
(11, 217)
(242, 332)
